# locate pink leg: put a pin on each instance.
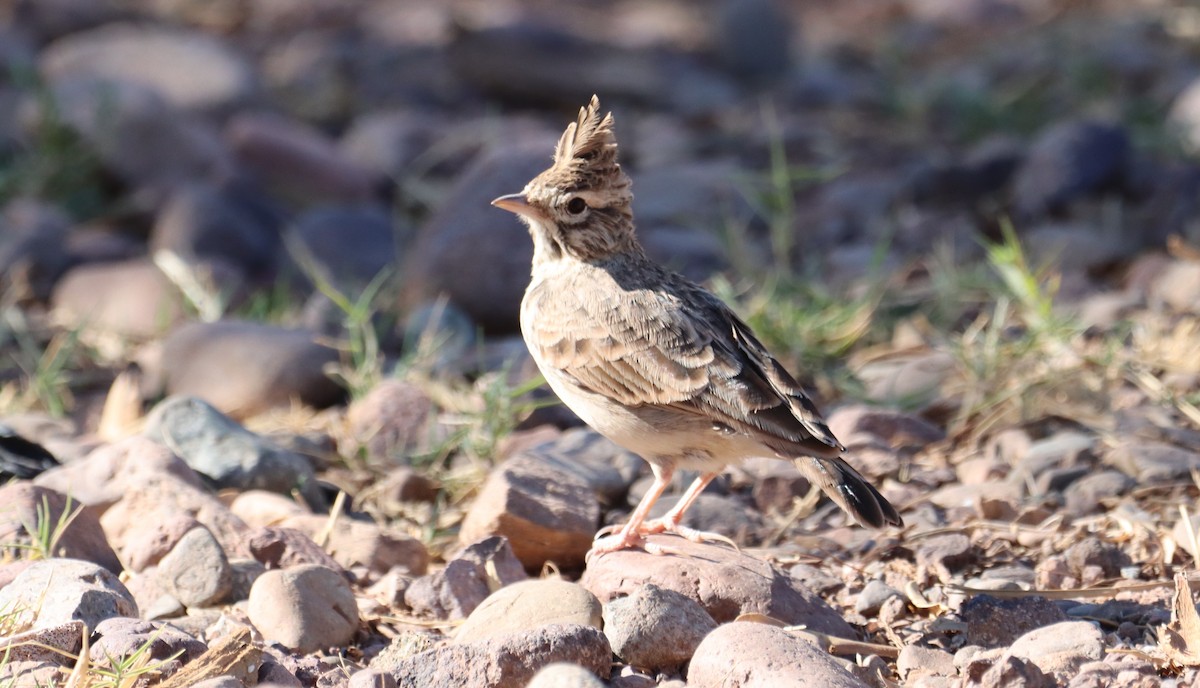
(669, 522)
(630, 535)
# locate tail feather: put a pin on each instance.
(851, 491)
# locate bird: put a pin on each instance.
(651, 360)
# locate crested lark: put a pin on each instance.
(650, 360)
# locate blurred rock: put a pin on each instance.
(28, 506)
(138, 135)
(564, 675)
(654, 628)
(1060, 649)
(348, 245)
(1084, 496)
(607, 468)
(354, 543)
(245, 368)
(191, 70)
(488, 281)
(725, 582)
(299, 164)
(942, 555)
(1177, 285)
(282, 548)
(311, 75)
(546, 514)
(304, 608)
(263, 508)
(130, 298)
(760, 655)
(906, 378)
(1151, 462)
(388, 142)
(55, 591)
(754, 39)
(226, 453)
(527, 606)
(1068, 161)
(228, 222)
(33, 254)
(993, 622)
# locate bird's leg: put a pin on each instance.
(670, 521)
(631, 534)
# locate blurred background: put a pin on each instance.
(185, 183)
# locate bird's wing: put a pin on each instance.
(679, 347)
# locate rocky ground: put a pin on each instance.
(266, 419)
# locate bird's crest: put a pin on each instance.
(586, 154)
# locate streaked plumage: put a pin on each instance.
(649, 359)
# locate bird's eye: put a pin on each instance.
(576, 205)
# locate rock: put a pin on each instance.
(564, 675)
(443, 332)
(945, 554)
(392, 420)
(607, 468)
(754, 39)
(906, 378)
(312, 76)
(455, 591)
(282, 548)
(1078, 247)
(547, 515)
(1106, 558)
(529, 605)
(196, 571)
(872, 597)
(243, 573)
(725, 582)
(753, 655)
(262, 508)
(488, 281)
(1085, 494)
(776, 484)
(862, 424)
(225, 222)
(1185, 114)
(407, 485)
(993, 622)
(218, 448)
(56, 591)
(28, 507)
(355, 543)
(296, 162)
(1150, 462)
(33, 252)
(369, 678)
(164, 645)
(131, 298)
(245, 368)
(388, 142)
(510, 660)
(1061, 648)
(916, 660)
(48, 645)
(140, 137)
(655, 628)
(191, 70)
(1068, 161)
(1013, 672)
(1177, 286)
(304, 608)
(719, 514)
(349, 244)
(105, 474)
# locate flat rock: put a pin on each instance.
(725, 582)
(132, 298)
(529, 605)
(245, 368)
(27, 506)
(655, 628)
(753, 655)
(455, 591)
(506, 662)
(547, 515)
(191, 70)
(1060, 649)
(304, 608)
(52, 592)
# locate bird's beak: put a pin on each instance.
(515, 203)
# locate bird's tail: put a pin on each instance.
(846, 487)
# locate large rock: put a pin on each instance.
(132, 298)
(547, 515)
(349, 244)
(489, 280)
(454, 591)
(55, 591)
(191, 70)
(28, 507)
(655, 628)
(246, 368)
(753, 655)
(304, 608)
(529, 605)
(725, 582)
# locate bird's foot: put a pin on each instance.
(606, 542)
(667, 525)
